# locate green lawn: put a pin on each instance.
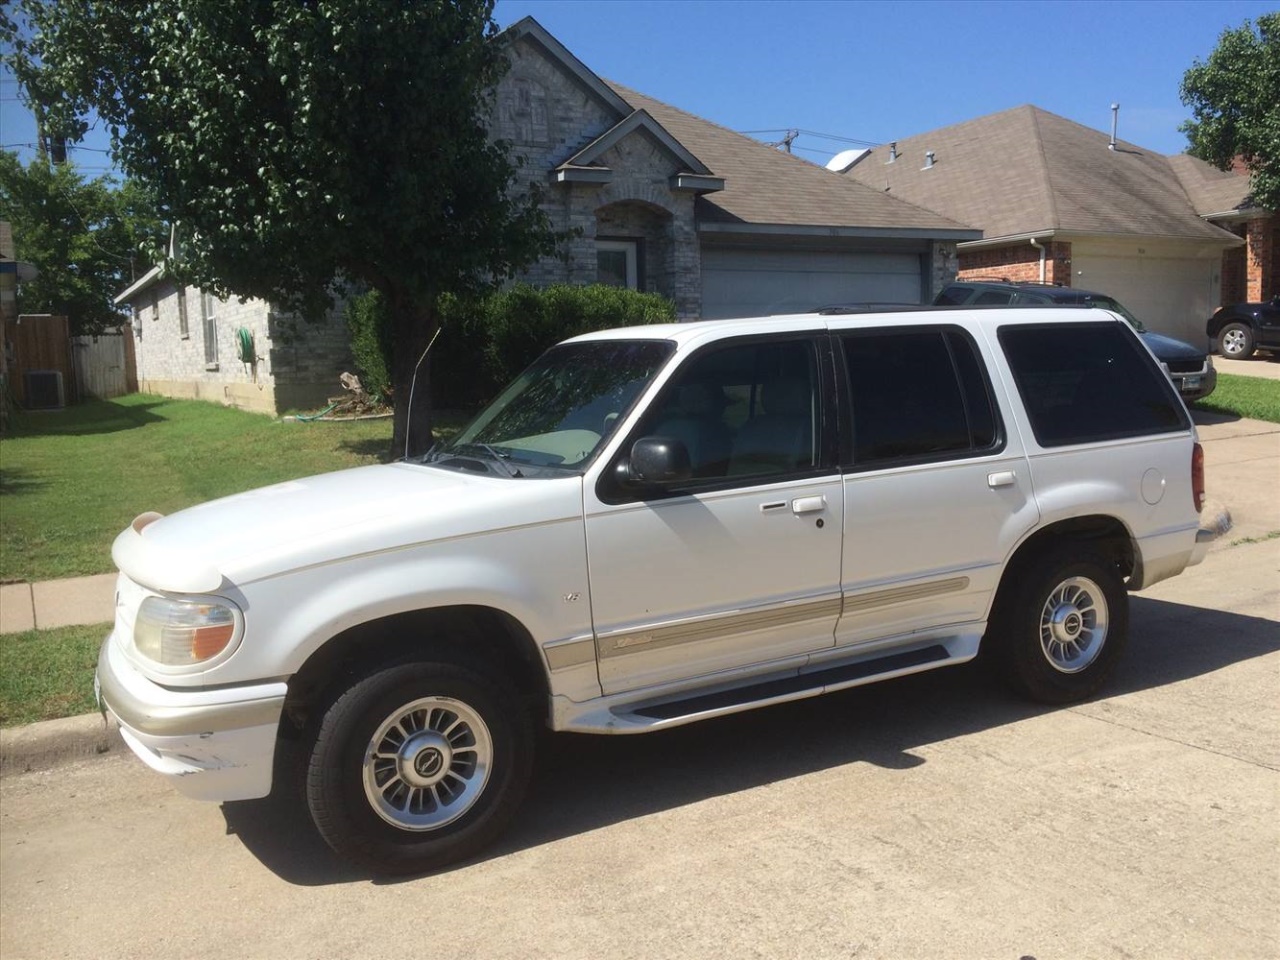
(71, 480)
(1251, 397)
(46, 674)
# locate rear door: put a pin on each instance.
(937, 490)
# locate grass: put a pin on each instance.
(46, 674)
(71, 480)
(1251, 397)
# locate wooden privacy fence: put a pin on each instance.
(38, 351)
(103, 365)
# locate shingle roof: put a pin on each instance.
(1212, 191)
(1026, 171)
(763, 186)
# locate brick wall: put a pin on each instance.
(174, 363)
(1018, 263)
(1260, 259)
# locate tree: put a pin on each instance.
(83, 237)
(1235, 101)
(300, 147)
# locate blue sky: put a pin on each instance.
(872, 71)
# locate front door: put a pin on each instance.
(740, 564)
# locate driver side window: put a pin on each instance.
(744, 410)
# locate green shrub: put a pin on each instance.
(366, 318)
(485, 343)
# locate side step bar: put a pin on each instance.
(647, 715)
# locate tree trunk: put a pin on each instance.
(413, 326)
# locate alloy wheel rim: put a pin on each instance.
(1233, 342)
(1073, 625)
(427, 763)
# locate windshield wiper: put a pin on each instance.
(498, 457)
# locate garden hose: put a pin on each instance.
(244, 342)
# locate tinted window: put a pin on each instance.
(952, 295)
(917, 394)
(992, 298)
(745, 409)
(1084, 382)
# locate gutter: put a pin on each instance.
(1039, 246)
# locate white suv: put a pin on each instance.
(653, 526)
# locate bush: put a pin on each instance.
(366, 318)
(485, 343)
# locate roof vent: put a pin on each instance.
(893, 152)
(928, 159)
(1115, 119)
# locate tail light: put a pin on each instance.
(1197, 476)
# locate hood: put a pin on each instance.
(1167, 348)
(329, 517)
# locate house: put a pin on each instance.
(1059, 202)
(654, 198)
(722, 224)
(191, 344)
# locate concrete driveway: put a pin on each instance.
(929, 817)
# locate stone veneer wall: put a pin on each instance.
(548, 116)
(173, 364)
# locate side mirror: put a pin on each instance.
(658, 460)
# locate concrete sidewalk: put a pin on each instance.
(1242, 462)
(57, 603)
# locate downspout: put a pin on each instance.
(1039, 246)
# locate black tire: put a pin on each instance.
(1235, 341)
(443, 798)
(1044, 652)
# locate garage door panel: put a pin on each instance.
(1170, 296)
(750, 283)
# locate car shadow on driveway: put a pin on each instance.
(584, 783)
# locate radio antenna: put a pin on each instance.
(413, 384)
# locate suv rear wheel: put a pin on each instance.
(1060, 632)
(419, 765)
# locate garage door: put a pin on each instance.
(1170, 296)
(754, 283)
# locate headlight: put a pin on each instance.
(182, 632)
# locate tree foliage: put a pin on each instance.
(82, 235)
(301, 144)
(1235, 101)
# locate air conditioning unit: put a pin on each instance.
(44, 390)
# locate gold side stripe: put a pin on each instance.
(714, 627)
(883, 598)
(570, 653)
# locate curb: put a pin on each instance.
(51, 743)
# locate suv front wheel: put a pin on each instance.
(1235, 341)
(1060, 632)
(419, 765)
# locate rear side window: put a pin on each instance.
(1084, 382)
(989, 298)
(917, 395)
(952, 295)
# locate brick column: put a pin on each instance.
(1259, 256)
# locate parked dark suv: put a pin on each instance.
(1190, 368)
(1237, 330)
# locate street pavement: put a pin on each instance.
(934, 816)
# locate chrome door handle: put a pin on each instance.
(808, 504)
(1005, 478)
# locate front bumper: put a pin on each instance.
(213, 744)
(1195, 386)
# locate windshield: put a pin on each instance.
(556, 414)
(1106, 303)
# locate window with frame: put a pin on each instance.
(746, 409)
(617, 263)
(1086, 382)
(918, 394)
(209, 316)
(184, 330)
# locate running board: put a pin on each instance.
(645, 716)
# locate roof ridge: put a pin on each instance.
(1046, 178)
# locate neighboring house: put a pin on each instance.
(722, 224)
(1058, 202)
(656, 199)
(189, 344)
